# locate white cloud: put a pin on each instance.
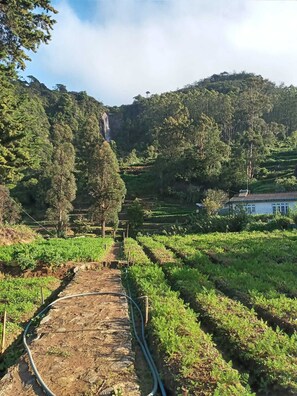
(131, 46)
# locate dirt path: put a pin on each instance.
(115, 253)
(83, 346)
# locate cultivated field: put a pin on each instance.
(242, 288)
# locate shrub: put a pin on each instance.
(203, 223)
(280, 222)
(135, 214)
(82, 226)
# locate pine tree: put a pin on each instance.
(24, 25)
(88, 137)
(15, 139)
(63, 187)
(106, 186)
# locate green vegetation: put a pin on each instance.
(25, 25)
(63, 188)
(235, 264)
(248, 118)
(197, 143)
(55, 252)
(135, 215)
(271, 355)
(191, 359)
(139, 181)
(21, 298)
(106, 187)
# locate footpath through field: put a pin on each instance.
(83, 346)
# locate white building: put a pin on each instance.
(264, 203)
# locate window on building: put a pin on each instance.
(250, 208)
(281, 207)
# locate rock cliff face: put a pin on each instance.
(115, 122)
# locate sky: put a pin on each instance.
(118, 49)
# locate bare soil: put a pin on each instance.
(83, 346)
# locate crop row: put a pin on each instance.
(270, 355)
(278, 250)
(54, 252)
(20, 297)
(189, 354)
(241, 278)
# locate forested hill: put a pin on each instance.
(218, 133)
(215, 133)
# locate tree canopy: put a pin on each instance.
(24, 24)
(106, 186)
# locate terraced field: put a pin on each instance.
(281, 163)
(242, 288)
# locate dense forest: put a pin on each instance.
(215, 133)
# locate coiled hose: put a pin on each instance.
(141, 340)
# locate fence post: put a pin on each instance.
(146, 305)
(146, 308)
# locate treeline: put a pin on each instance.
(212, 134)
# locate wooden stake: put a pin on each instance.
(146, 307)
(42, 296)
(3, 332)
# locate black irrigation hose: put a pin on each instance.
(141, 341)
(144, 348)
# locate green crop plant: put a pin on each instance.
(54, 252)
(189, 353)
(20, 298)
(235, 262)
(270, 354)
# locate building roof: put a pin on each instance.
(274, 197)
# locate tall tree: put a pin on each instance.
(87, 139)
(106, 186)
(14, 137)
(207, 153)
(24, 24)
(63, 188)
(9, 209)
